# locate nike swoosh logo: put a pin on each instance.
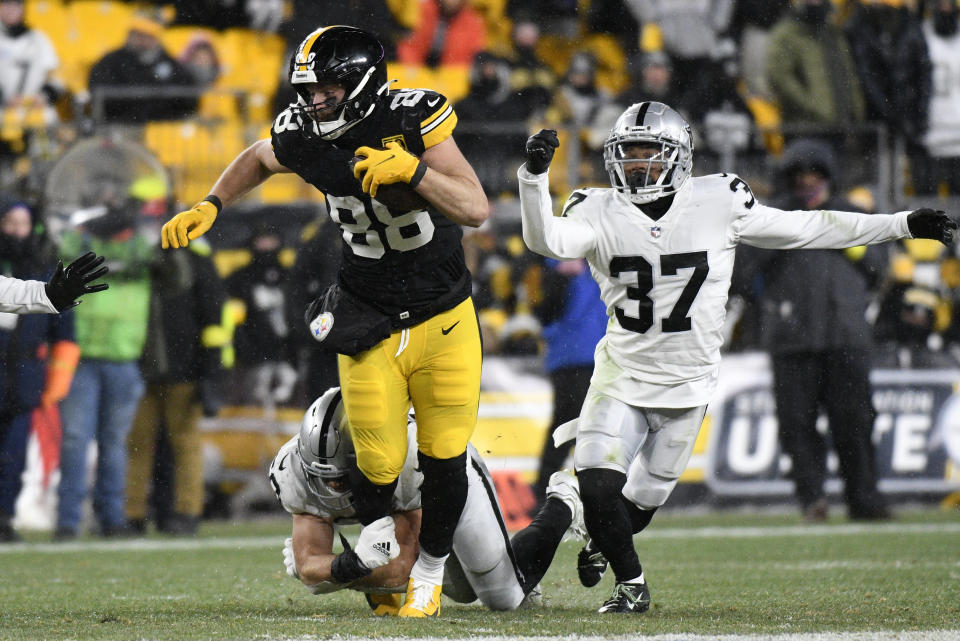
(431, 103)
(384, 160)
(282, 461)
(449, 329)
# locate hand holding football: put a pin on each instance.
(396, 196)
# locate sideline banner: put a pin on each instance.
(917, 426)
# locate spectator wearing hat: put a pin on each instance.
(141, 81)
(812, 321)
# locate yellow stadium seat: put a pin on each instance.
(100, 26)
(409, 76)
(611, 62)
(52, 18)
(194, 154)
(406, 12)
(452, 81)
(263, 66)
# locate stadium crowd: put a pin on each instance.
(857, 97)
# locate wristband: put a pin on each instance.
(347, 567)
(216, 202)
(418, 174)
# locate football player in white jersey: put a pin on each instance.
(661, 245)
(311, 476)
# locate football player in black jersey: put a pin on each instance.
(406, 265)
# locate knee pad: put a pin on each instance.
(598, 450)
(648, 491)
(379, 466)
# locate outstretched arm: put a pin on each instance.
(545, 234)
(254, 165)
(773, 228)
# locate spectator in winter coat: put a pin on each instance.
(812, 319)
(810, 68)
(38, 354)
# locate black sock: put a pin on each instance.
(535, 545)
(370, 500)
(608, 520)
(639, 519)
(442, 495)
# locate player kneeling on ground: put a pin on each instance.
(310, 475)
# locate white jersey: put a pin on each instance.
(24, 297)
(943, 134)
(290, 483)
(481, 565)
(665, 282)
(25, 63)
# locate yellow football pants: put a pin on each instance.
(436, 366)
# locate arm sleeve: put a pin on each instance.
(544, 233)
(773, 228)
(24, 297)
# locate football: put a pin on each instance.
(396, 196)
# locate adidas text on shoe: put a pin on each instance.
(422, 600)
(627, 597)
(564, 486)
(385, 605)
(591, 564)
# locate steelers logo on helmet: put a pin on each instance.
(649, 152)
(344, 56)
(326, 450)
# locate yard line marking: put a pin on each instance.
(254, 542)
(749, 532)
(891, 635)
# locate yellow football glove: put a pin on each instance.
(385, 166)
(187, 225)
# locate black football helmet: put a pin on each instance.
(338, 54)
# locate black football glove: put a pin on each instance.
(540, 148)
(67, 285)
(931, 223)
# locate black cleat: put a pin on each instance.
(628, 597)
(591, 564)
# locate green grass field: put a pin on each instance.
(728, 573)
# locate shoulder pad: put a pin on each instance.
(577, 197)
(285, 136)
(288, 482)
(430, 109)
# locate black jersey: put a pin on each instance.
(404, 263)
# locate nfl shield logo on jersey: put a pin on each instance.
(655, 232)
(321, 326)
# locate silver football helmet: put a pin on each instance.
(326, 450)
(649, 124)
